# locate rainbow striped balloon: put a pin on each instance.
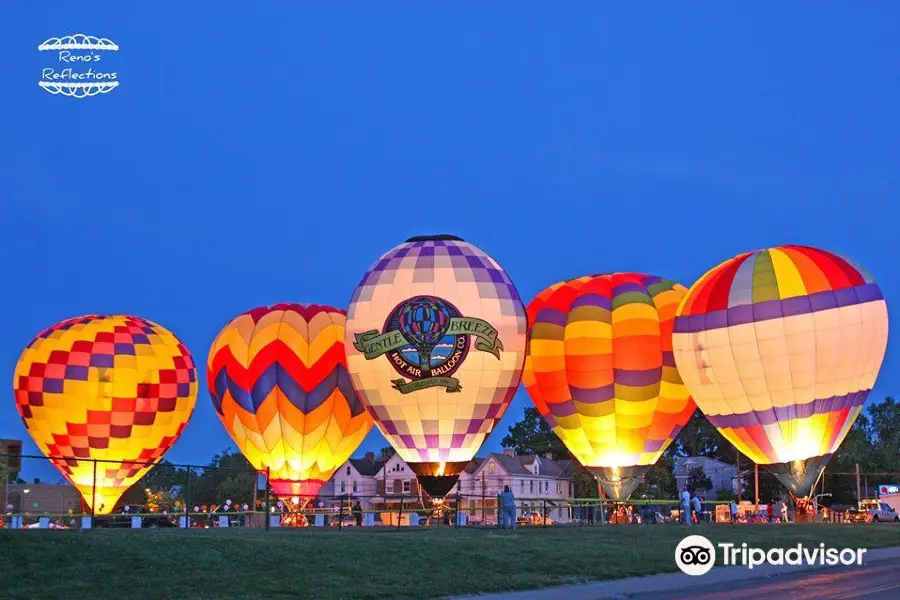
(600, 370)
(780, 348)
(278, 381)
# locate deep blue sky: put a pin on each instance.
(255, 154)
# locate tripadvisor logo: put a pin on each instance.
(426, 339)
(696, 555)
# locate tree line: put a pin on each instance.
(873, 443)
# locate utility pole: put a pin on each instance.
(739, 475)
(756, 486)
(858, 497)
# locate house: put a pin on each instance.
(43, 498)
(539, 484)
(355, 479)
(723, 475)
(394, 482)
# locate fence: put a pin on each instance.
(35, 494)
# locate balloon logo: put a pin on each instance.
(108, 388)
(278, 381)
(423, 321)
(780, 348)
(444, 316)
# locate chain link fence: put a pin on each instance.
(36, 495)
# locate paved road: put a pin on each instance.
(880, 580)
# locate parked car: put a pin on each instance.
(876, 511)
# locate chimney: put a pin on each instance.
(370, 456)
(548, 456)
(509, 451)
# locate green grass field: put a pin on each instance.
(312, 564)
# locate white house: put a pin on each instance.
(355, 479)
(723, 475)
(539, 484)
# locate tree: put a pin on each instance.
(229, 476)
(726, 494)
(532, 435)
(700, 438)
(884, 434)
(770, 488)
(387, 452)
(698, 481)
(659, 482)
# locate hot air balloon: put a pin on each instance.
(600, 370)
(435, 346)
(278, 382)
(110, 388)
(780, 348)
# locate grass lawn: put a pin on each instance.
(312, 563)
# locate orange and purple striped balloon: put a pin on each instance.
(600, 370)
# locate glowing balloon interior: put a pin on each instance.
(780, 348)
(110, 388)
(435, 346)
(600, 370)
(278, 382)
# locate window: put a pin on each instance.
(492, 469)
(406, 486)
(343, 486)
(537, 467)
(355, 487)
(522, 485)
(348, 469)
(546, 486)
(558, 488)
(531, 486)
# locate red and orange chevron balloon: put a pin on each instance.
(278, 380)
(117, 390)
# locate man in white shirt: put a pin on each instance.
(686, 506)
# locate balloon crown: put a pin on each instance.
(441, 237)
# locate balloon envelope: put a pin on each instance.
(600, 370)
(435, 346)
(110, 388)
(780, 348)
(278, 381)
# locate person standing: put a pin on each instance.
(784, 512)
(770, 512)
(358, 514)
(508, 508)
(686, 506)
(695, 504)
(734, 512)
